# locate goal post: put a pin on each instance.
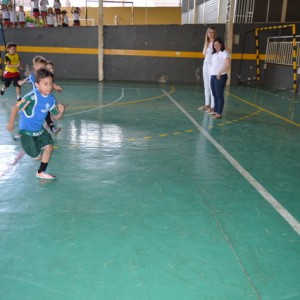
(294, 50)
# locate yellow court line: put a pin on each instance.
(265, 110)
(144, 100)
(81, 107)
(163, 135)
(169, 134)
(125, 103)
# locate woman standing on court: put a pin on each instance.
(220, 65)
(207, 52)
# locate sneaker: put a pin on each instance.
(2, 92)
(19, 99)
(44, 175)
(56, 130)
(16, 137)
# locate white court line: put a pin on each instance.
(292, 221)
(98, 107)
(12, 164)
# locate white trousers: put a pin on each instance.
(209, 98)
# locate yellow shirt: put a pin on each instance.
(12, 59)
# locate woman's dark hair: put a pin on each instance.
(43, 73)
(219, 40)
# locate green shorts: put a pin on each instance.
(34, 142)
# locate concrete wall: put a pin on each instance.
(170, 53)
(73, 50)
(175, 52)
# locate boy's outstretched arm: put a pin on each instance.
(23, 81)
(60, 109)
(13, 114)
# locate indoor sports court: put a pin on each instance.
(154, 199)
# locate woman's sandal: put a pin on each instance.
(212, 113)
(217, 116)
(204, 107)
(210, 110)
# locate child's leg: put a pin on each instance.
(51, 125)
(33, 147)
(47, 151)
(5, 85)
(58, 19)
(3, 88)
(18, 92)
(41, 173)
(18, 87)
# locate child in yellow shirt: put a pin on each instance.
(12, 69)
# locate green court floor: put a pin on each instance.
(154, 200)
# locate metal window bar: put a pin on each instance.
(191, 16)
(199, 14)
(222, 12)
(279, 50)
(184, 18)
(244, 11)
(208, 12)
(211, 11)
